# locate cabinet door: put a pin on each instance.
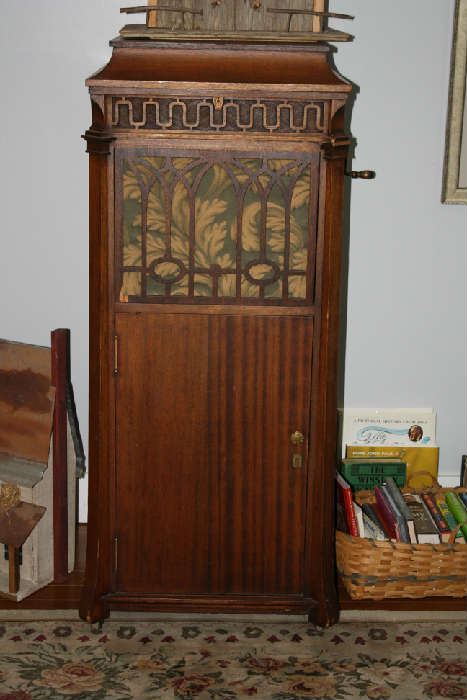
(208, 396)
(208, 499)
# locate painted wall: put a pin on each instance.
(406, 336)
(407, 294)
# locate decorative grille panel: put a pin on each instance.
(218, 228)
(201, 114)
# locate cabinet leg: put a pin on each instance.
(92, 610)
(326, 613)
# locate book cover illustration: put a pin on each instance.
(402, 427)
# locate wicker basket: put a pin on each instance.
(376, 570)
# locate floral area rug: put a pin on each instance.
(229, 660)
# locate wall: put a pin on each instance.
(47, 49)
(406, 311)
(406, 337)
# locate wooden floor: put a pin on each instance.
(65, 596)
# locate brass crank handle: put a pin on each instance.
(361, 174)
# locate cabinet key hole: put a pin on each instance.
(297, 461)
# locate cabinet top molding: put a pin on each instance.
(266, 21)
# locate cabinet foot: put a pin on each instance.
(93, 611)
(325, 614)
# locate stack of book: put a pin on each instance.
(414, 518)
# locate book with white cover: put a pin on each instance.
(359, 517)
(398, 427)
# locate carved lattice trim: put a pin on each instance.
(205, 114)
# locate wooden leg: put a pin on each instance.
(13, 566)
(92, 609)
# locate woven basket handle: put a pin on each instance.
(434, 480)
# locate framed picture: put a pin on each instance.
(455, 164)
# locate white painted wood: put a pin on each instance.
(37, 568)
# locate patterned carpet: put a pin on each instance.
(229, 660)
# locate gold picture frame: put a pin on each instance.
(455, 163)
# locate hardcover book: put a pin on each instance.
(364, 474)
(387, 515)
(383, 494)
(458, 510)
(448, 516)
(372, 513)
(345, 500)
(402, 508)
(417, 459)
(372, 530)
(359, 518)
(441, 524)
(427, 532)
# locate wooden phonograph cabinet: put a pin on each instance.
(217, 161)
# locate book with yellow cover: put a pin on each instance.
(418, 460)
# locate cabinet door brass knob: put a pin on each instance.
(297, 438)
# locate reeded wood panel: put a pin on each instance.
(162, 453)
(208, 501)
(217, 227)
(260, 395)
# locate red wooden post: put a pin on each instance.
(60, 378)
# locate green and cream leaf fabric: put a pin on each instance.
(215, 229)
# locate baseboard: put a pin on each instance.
(402, 616)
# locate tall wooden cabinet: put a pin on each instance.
(216, 187)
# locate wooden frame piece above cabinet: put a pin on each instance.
(265, 21)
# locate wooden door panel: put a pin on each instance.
(161, 428)
(208, 499)
(263, 367)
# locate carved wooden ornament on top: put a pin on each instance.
(266, 20)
